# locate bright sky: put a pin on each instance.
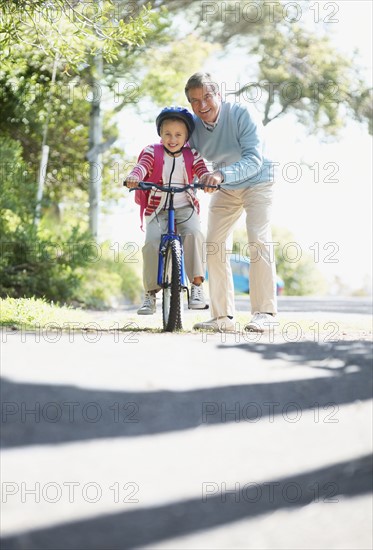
(329, 208)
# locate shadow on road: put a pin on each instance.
(46, 414)
(62, 414)
(136, 528)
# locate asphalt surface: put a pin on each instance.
(133, 439)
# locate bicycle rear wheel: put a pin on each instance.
(171, 291)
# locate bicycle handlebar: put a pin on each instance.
(148, 185)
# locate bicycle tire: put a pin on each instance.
(171, 287)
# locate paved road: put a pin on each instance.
(310, 318)
(116, 440)
(362, 306)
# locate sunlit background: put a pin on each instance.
(323, 189)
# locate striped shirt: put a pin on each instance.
(157, 199)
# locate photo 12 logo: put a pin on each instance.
(290, 492)
(268, 11)
(91, 332)
(68, 491)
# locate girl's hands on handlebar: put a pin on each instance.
(131, 181)
(214, 179)
(210, 180)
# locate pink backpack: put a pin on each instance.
(142, 197)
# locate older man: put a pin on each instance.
(230, 136)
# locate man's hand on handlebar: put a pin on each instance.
(214, 179)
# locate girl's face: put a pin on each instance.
(174, 134)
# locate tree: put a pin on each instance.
(172, 63)
(72, 28)
(40, 261)
(299, 70)
(87, 47)
(25, 78)
(302, 73)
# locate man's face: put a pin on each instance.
(205, 102)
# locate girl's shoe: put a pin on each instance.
(196, 297)
(149, 306)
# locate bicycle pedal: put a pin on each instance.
(202, 308)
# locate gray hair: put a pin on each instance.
(200, 80)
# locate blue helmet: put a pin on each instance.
(176, 112)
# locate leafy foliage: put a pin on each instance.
(302, 73)
(28, 100)
(171, 64)
(35, 265)
(38, 38)
(73, 29)
(17, 190)
(59, 263)
(69, 268)
(299, 71)
(108, 280)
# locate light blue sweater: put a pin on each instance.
(234, 146)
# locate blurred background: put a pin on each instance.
(81, 86)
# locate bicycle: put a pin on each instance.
(171, 276)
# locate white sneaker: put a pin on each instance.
(196, 298)
(149, 305)
(260, 322)
(217, 324)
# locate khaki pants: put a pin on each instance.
(225, 209)
(193, 241)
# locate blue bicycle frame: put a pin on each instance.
(171, 234)
(165, 238)
(171, 277)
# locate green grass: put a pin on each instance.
(36, 313)
(31, 313)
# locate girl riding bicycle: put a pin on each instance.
(180, 165)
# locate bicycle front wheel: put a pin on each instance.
(171, 292)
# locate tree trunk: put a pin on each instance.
(95, 139)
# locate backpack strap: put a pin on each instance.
(188, 160)
(142, 197)
(156, 174)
